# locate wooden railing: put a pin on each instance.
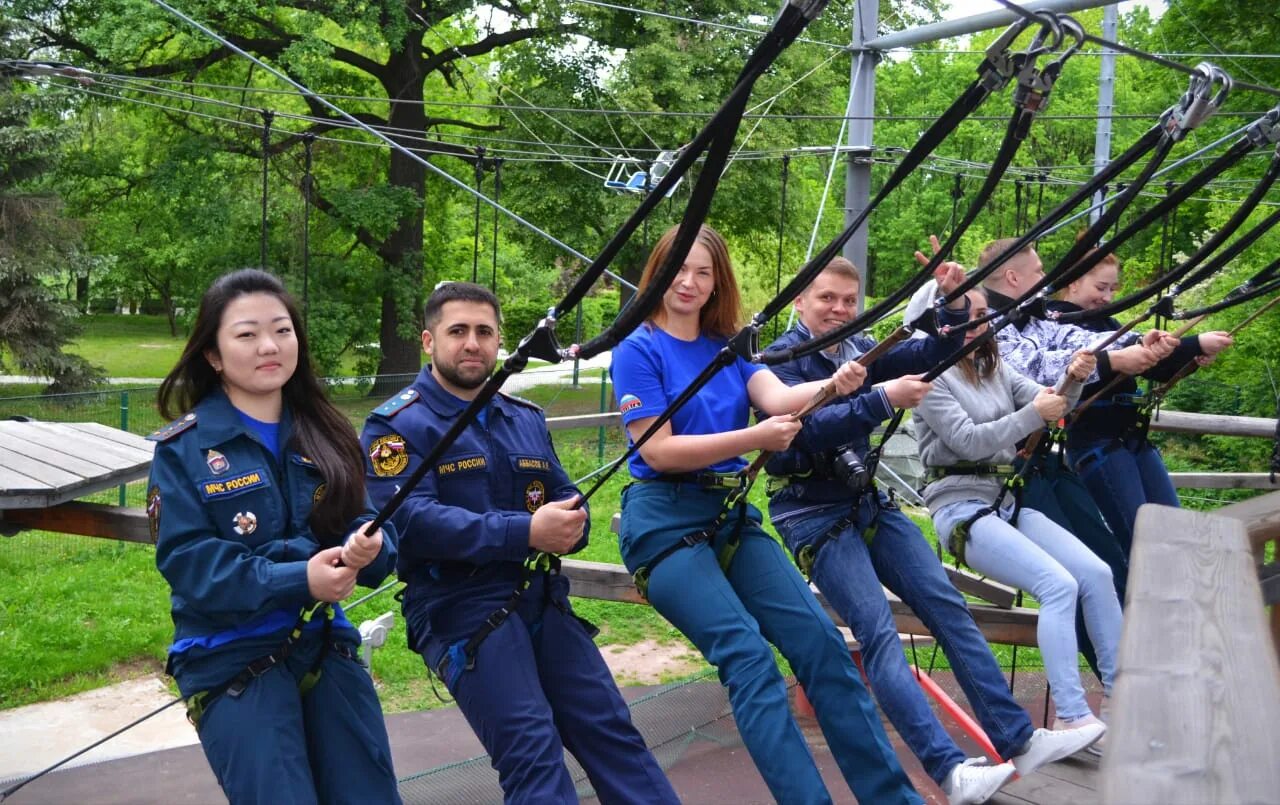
(1167, 421)
(1196, 703)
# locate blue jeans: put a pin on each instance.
(1121, 476)
(733, 616)
(849, 571)
(1044, 559)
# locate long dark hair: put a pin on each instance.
(722, 313)
(320, 431)
(983, 361)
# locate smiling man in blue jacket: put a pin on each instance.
(850, 538)
(483, 604)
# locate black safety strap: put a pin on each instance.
(1029, 98)
(733, 505)
(1275, 450)
(718, 136)
(539, 562)
(1265, 130)
(199, 702)
(1207, 90)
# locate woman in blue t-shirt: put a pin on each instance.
(258, 509)
(736, 593)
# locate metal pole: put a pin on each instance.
(604, 391)
(124, 426)
(968, 25)
(1106, 99)
(862, 103)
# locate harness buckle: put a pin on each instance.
(497, 617)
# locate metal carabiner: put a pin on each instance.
(1266, 129)
(1200, 100)
(999, 65)
(1034, 85)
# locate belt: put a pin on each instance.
(971, 469)
(706, 480)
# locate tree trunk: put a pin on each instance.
(402, 294)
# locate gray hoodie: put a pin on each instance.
(958, 421)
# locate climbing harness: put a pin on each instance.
(199, 703)
(461, 656)
(734, 506)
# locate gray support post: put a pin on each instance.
(1106, 105)
(862, 93)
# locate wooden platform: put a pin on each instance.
(43, 464)
(712, 766)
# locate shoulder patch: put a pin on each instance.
(397, 403)
(520, 401)
(174, 428)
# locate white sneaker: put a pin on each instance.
(1046, 746)
(1097, 746)
(975, 780)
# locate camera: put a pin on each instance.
(847, 466)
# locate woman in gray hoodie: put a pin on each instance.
(967, 428)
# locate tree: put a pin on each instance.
(36, 241)
(390, 49)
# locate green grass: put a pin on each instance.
(128, 346)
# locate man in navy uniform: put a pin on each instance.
(480, 534)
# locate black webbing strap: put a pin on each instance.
(198, 703)
(807, 556)
(1186, 275)
(540, 562)
(732, 505)
(1013, 485)
(1033, 87)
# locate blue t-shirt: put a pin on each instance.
(268, 432)
(651, 368)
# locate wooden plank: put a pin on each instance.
(123, 437)
(1196, 713)
(59, 453)
(1224, 480)
(44, 477)
(964, 580)
(608, 419)
(87, 519)
(1043, 788)
(63, 440)
(1213, 424)
(117, 442)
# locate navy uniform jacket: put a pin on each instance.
(846, 421)
(465, 527)
(232, 540)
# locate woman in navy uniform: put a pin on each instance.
(734, 593)
(492, 622)
(257, 505)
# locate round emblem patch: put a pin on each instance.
(388, 456)
(535, 494)
(244, 523)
